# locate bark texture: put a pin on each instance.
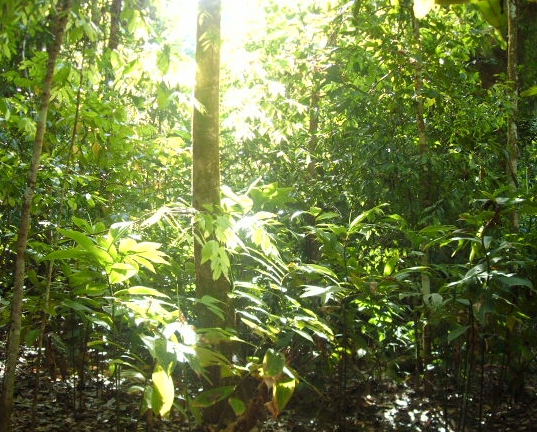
(205, 146)
(206, 173)
(115, 24)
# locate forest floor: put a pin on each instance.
(378, 405)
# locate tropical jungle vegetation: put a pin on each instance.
(217, 213)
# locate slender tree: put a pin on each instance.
(115, 24)
(512, 80)
(424, 358)
(206, 168)
(61, 16)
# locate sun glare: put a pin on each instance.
(238, 18)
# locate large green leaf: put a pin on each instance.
(210, 397)
(238, 405)
(210, 251)
(512, 280)
(282, 393)
(102, 256)
(120, 272)
(493, 11)
(76, 305)
(273, 363)
(532, 91)
(165, 354)
(83, 240)
(67, 254)
(163, 391)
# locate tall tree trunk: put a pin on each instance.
(425, 201)
(113, 38)
(13, 344)
(206, 170)
(312, 246)
(115, 20)
(512, 81)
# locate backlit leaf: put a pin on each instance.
(163, 391)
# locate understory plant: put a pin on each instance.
(149, 333)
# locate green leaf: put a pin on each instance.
(82, 224)
(163, 59)
(31, 336)
(493, 11)
(456, 333)
(209, 251)
(127, 245)
(91, 289)
(302, 333)
(511, 281)
(163, 392)
(210, 397)
(318, 269)
(152, 255)
(213, 305)
(389, 267)
(163, 96)
(164, 354)
(142, 261)
(140, 290)
(208, 357)
(102, 257)
(273, 363)
(120, 272)
(83, 240)
(100, 319)
(314, 290)
(327, 216)
(75, 305)
(242, 200)
(282, 393)
(532, 91)
(238, 405)
(355, 225)
(66, 254)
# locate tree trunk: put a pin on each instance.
(312, 246)
(206, 171)
(512, 82)
(425, 201)
(113, 38)
(13, 344)
(115, 15)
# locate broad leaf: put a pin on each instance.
(210, 397)
(140, 290)
(273, 363)
(163, 391)
(282, 393)
(83, 240)
(456, 333)
(120, 272)
(238, 405)
(532, 91)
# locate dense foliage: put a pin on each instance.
(366, 220)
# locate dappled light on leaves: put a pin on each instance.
(318, 215)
